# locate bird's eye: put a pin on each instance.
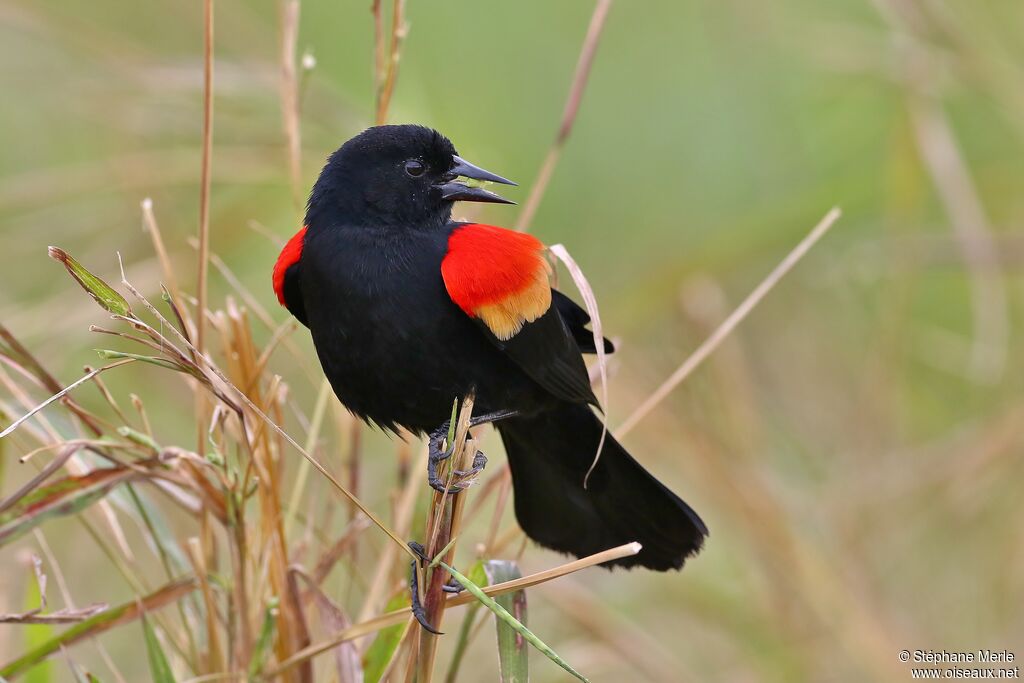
(415, 167)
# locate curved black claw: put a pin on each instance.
(453, 586)
(418, 610)
(436, 455)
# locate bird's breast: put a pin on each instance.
(388, 336)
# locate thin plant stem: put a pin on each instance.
(398, 616)
(202, 404)
(730, 323)
(572, 108)
(386, 84)
(290, 95)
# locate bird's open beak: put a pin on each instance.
(457, 190)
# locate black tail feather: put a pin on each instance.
(549, 454)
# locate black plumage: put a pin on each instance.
(398, 350)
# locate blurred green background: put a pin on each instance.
(854, 447)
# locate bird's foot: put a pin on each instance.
(418, 610)
(437, 454)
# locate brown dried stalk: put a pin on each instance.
(202, 406)
(398, 616)
(387, 77)
(290, 95)
(572, 107)
(204, 182)
(442, 528)
(730, 323)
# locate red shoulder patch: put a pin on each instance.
(289, 256)
(497, 275)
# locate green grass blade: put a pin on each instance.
(503, 614)
(380, 652)
(478, 576)
(36, 635)
(159, 667)
(513, 655)
(67, 496)
(93, 626)
(105, 295)
(266, 637)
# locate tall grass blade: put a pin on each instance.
(504, 615)
(159, 667)
(384, 646)
(35, 635)
(266, 637)
(478, 576)
(67, 496)
(513, 655)
(60, 394)
(104, 621)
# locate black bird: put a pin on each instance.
(410, 311)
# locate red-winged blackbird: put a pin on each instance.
(410, 310)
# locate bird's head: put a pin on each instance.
(397, 175)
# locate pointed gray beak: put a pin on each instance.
(455, 190)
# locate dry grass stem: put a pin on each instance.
(572, 107)
(387, 76)
(204, 181)
(202, 406)
(580, 280)
(974, 235)
(729, 324)
(290, 95)
(398, 616)
(170, 278)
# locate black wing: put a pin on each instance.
(576, 319)
(547, 350)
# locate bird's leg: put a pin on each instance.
(414, 588)
(436, 455)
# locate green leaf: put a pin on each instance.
(503, 614)
(383, 647)
(452, 422)
(95, 625)
(105, 295)
(159, 667)
(477, 575)
(259, 653)
(138, 437)
(64, 497)
(35, 635)
(513, 655)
